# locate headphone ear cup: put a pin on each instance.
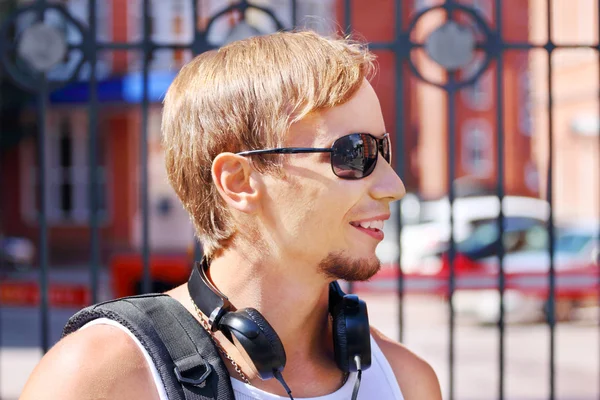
(351, 333)
(276, 346)
(340, 342)
(260, 342)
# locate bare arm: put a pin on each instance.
(100, 362)
(416, 378)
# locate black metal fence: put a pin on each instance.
(44, 46)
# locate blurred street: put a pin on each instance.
(426, 333)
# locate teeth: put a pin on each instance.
(378, 224)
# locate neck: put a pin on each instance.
(295, 304)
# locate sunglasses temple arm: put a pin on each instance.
(291, 150)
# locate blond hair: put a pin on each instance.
(245, 96)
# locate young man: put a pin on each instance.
(277, 226)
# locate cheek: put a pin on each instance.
(322, 213)
(313, 212)
(301, 209)
(306, 212)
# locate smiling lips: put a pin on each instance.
(372, 227)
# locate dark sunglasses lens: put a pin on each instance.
(386, 151)
(354, 156)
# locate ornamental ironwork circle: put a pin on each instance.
(41, 48)
(239, 31)
(453, 45)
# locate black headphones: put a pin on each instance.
(261, 346)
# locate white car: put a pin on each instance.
(428, 230)
(576, 247)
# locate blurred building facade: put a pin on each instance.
(425, 123)
(576, 109)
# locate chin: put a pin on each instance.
(339, 265)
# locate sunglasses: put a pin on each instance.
(353, 156)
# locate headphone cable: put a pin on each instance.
(358, 376)
(279, 377)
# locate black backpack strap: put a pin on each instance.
(182, 351)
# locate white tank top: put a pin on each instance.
(378, 382)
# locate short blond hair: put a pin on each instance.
(245, 96)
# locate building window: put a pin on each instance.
(478, 95)
(477, 148)
(64, 169)
(79, 9)
(532, 177)
(525, 104)
(171, 22)
(311, 14)
(66, 175)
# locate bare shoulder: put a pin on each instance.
(416, 378)
(99, 362)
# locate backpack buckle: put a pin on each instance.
(186, 365)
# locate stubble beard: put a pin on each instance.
(339, 266)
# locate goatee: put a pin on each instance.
(338, 266)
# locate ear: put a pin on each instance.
(232, 174)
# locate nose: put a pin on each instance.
(386, 184)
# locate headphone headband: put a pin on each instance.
(207, 297)
(214, 304)
(336, 295)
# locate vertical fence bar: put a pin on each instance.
(500, 190)
(348, 31)
(598, 255)
(92, 50)
(294, 14)
(196, 13)
(550, 46)
(2, 99)
(147, 55)
(43, 214)
(1, 263)
(451, 109)
(1, 224)
(399, 37)
(348, 16)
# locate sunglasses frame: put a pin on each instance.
(304, 150)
